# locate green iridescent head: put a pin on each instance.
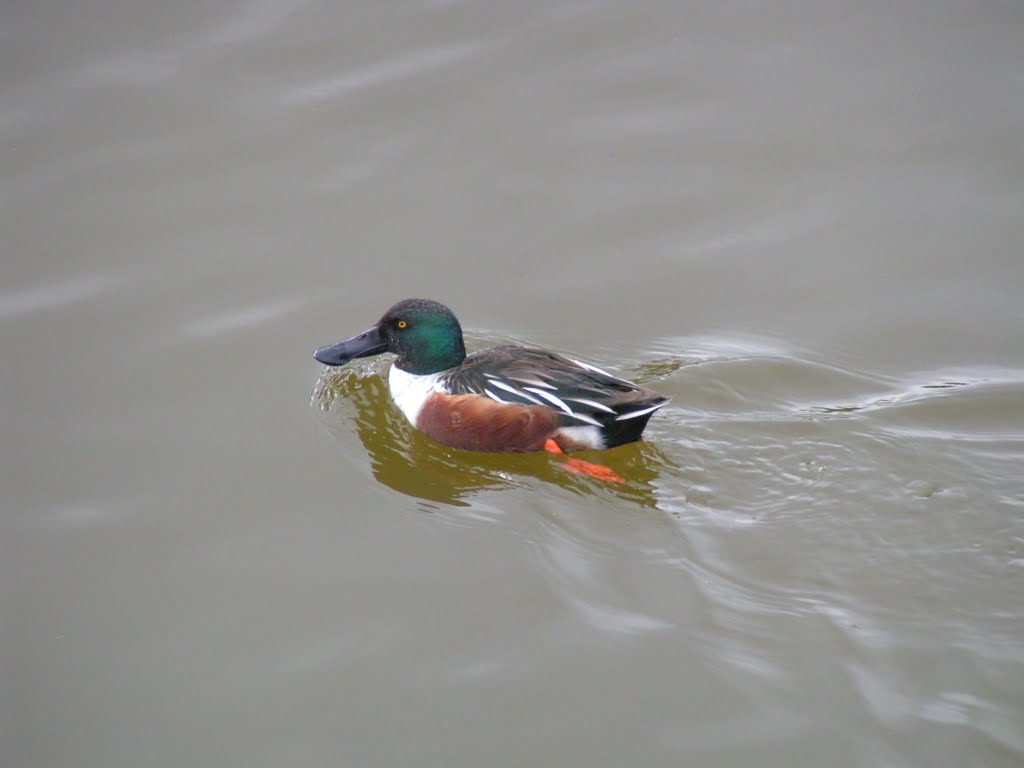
(424, 335)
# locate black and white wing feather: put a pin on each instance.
(582, 393)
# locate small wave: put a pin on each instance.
(391, 70)
(54, 296)
(240, 319)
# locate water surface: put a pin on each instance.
(801, 222)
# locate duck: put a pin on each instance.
(505, 399)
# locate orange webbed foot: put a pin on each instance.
(580, 467)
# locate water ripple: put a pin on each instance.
(255, 21)
(49, 297)
(240, 319)
(391, 70)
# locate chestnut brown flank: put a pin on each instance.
(477, 423)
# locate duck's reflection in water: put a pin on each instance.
(411, 463)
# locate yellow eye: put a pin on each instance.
(402, 324)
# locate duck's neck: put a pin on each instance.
(438, 355)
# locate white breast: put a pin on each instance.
(410, 391)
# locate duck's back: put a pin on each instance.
(582, 394)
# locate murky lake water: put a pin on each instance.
(801, 222)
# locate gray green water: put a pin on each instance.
(801, 221)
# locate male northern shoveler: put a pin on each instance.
(505, 399)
